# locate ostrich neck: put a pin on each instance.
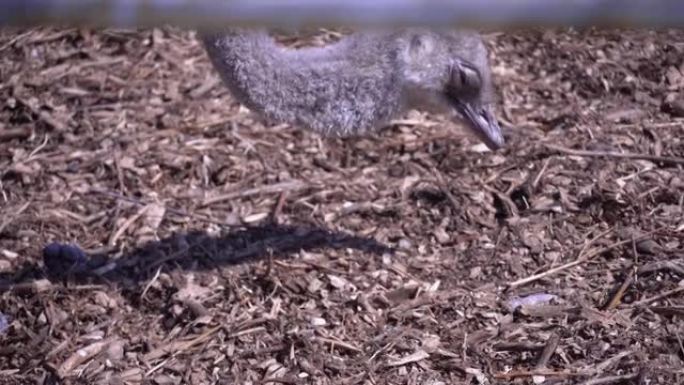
(345, 88)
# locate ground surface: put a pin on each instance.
(223, 251)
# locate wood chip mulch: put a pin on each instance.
(216, 250)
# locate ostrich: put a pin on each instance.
(358, 84)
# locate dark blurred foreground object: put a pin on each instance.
(195, 14)
(62, 260)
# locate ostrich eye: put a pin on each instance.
(465, 78)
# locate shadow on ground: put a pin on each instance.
(187, 251)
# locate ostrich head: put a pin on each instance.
(450, 71)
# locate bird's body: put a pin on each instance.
(358, 84)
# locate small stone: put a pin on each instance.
(532, 300)
(115, 351)
(5, 266)
(314, 285)
(9, 254)
(441, 235)
(405, 244)
(255, 217)
(318, 321)
(337, 282)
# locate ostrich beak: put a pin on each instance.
(482, 123)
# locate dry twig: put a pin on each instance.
(670, 160)
(611, 379)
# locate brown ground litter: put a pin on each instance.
(226, 252)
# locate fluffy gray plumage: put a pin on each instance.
(358, 84)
